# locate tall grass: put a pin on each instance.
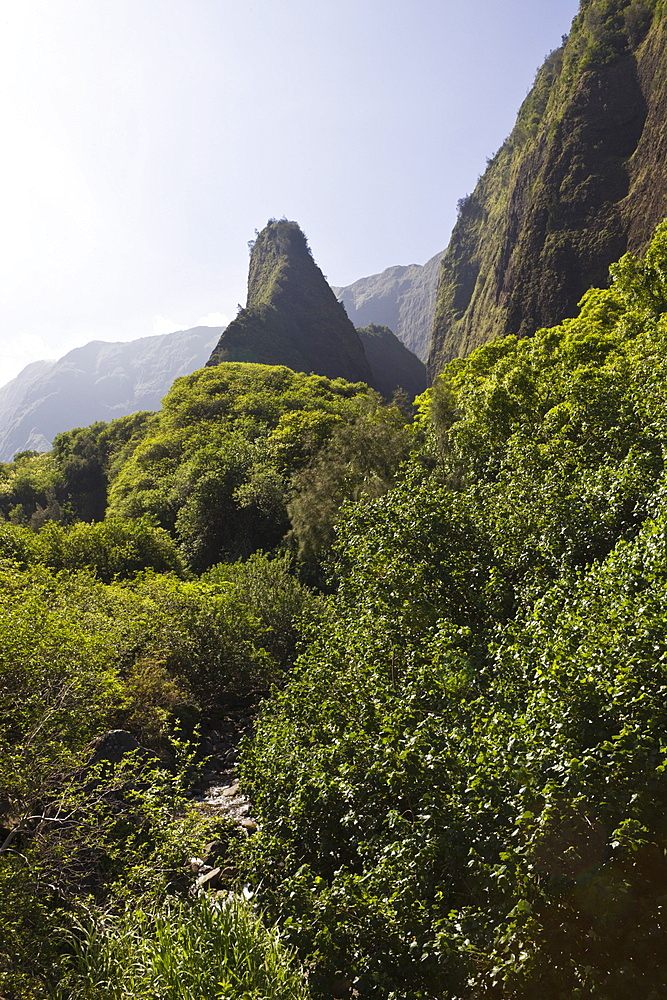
(209, 949)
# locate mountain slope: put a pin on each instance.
(393, 366)
(580, 180)
(99, 381)
(402, 298)
(292, 317)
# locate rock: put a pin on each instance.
(112, 747)
(341, 984)
(199, 866)
(210, 880)
(291, 316)
(109, 750)
(231, 790)
(218, 764)
(249, 825)
(216, 849)
(393, 366)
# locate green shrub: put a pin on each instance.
(267, 589)
(111, 548)
(207, 638)
(216, 468)
(462, 788)
(210, 949)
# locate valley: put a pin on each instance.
(320, 682)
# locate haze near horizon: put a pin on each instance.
(146, 141)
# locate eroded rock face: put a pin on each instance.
(581, 179)
(292, 317)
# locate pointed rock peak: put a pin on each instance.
(279, 248)
(292, 317)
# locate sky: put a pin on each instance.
(144, 142)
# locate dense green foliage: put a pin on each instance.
(111, 548)
(218, 467)
(459, 768)
(462, 789)
(79, 657)
(69, 483)
(608, 29)
(90, 456)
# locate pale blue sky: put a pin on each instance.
(145, 140)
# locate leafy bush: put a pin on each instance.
(462, 788)
(267, 589)
(58, 685)
(207, 638)
(88, 458)
(112, 835)
(111, 548)
(361, 459)
(216, 469)
(31, 486)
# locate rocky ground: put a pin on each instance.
(218, 793)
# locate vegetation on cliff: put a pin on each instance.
(578, 181)
(292, 317)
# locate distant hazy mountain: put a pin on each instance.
(292, 317)
(402, 298)
(99, 381)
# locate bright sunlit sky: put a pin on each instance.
(143, 142)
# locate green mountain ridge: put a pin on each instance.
(579, 181)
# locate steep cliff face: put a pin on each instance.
(292, 317)
(581, 179)
(401, 297)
